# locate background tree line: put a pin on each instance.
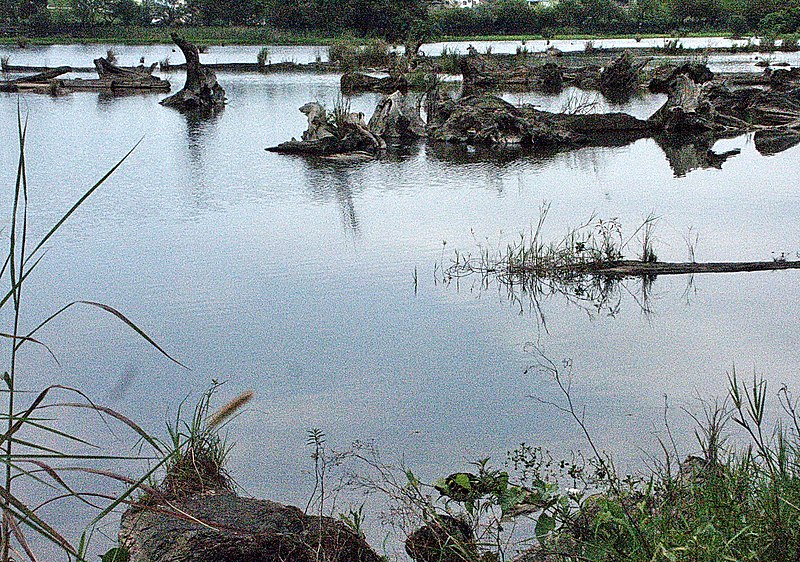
(396, 19)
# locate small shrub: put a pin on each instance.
(263, 57)
(790, 44)
(351, 55)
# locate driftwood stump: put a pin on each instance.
(398, 117)
(201, 91)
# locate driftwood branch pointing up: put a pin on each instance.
(201, 91)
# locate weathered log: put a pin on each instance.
(663, 77)
(328, 136)
(636, 268)
(43, 77)
(34, 81)
(398, 117)
(201, 91)
(356, 82)
(619, 80)
(105, 69)
(489, 120)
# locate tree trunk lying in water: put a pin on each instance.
(331, 134)
(202, 91)
(39, 80)
(637, 268)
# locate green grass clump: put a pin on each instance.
(353, 54)
(726, 502)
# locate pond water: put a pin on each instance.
(318, 284)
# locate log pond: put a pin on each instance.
(318, 284)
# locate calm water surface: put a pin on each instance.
(296, 278)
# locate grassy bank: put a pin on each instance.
(136, 35)
(239, 35)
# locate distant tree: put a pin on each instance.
(90, 12)
(592, 16)
(515, 16)
(649, 15)
(292, 14)
(220, 12)
(166, 12)
(392, 19)
(130, 12)
(695, 13)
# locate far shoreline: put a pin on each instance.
(257, 36)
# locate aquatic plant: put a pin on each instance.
(38, 453)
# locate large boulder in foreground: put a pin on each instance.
(201, 92)
(219, 526)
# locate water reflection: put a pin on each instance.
(200, 126)
(696, 153)
(335, 179)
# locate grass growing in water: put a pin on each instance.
(38, 454)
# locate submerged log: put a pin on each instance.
(202, 91)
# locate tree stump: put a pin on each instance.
(202, 91)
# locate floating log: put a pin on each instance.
(34, 81)
(104, 84)
(636, 268)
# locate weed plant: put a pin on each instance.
(531, 268)
(263, 57)
(726, 502)
(38, 452)
(352, 54)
